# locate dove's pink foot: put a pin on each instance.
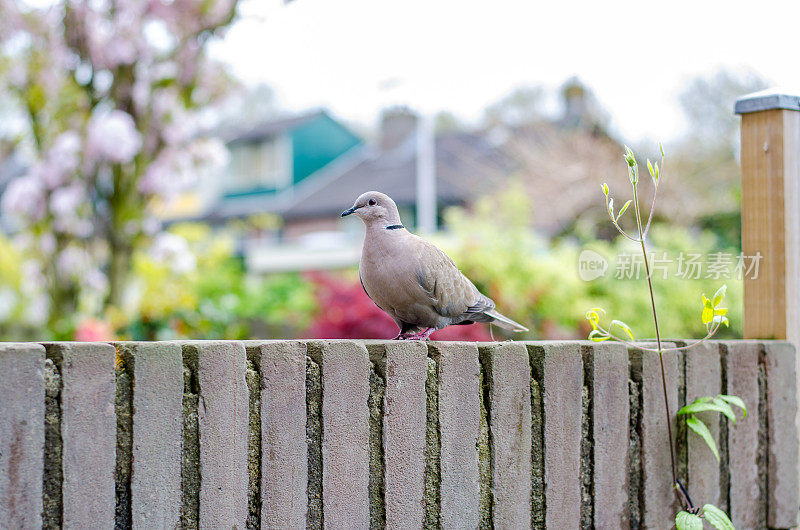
(422, 335)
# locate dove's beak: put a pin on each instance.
(349, 211)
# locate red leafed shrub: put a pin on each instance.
(346, 312)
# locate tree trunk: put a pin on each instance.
(117, 272)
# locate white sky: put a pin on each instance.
(461, 55)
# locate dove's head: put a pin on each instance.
(375, 207)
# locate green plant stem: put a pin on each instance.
(711, 333)
(660, 351)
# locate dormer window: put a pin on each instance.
(259, 165)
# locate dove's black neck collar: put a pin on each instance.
(394, 227)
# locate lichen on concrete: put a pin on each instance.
(432, 447)
(485, 446)
(538, 501)
(724, 466)
(763, 432)
(190, 462)
(587, 506)
(681, 442)
(253, 377)
(635, 486)
(377, 507)
(124, 410)
(53, 476)
(537, 457)
(314, 441)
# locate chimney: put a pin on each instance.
(397, 124)
(575, 103)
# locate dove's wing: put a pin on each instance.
(449, 292)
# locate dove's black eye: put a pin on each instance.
(372, 202)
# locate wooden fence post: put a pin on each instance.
(771, 214)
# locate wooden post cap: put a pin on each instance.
(769, 99)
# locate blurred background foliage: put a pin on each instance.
(198, 288)
(112, 124)
(536, 281)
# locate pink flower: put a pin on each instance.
(66, 206)
(115, 40)
(72, 261)
(172, 172)
(209, 153)
(64, 202)
(64, 157)
(112, 136)
(96, 280)
(25, 197)
(173, 251)
(93, 330)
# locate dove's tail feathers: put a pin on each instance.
(505, 322)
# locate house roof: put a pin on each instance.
(466, 166)
(562, 169)
(270, 128)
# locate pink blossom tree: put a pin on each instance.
(107, 98)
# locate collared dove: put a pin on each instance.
(412, 280)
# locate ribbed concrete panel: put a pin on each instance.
(88, 432)
(561, 371)
(284, 452)
(660, 502)
(404, 424)
(345, 434)
(741, 367)
(783, 500)
(509, 376)
(459, 425)
(157, 428)
(703, 378)
(607, 369)
(21, 434)
(223, 418)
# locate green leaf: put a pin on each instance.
(726, 408)
(633, 170)
(708, 310)
(623, 326)
(736, 401)
(717, 518)
(707, 315)
(719, 296)
(658, 173)
(706, 302)
(622, 210)
(688, 521)
(633, 174)
(700, 428)
(611, 207)
(703, 406)
(593, 316)
(598, 336)
(720, 319)
(650, 169)
(629, 158)
(661, 147)
(605, 189)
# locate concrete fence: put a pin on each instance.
(349, 434)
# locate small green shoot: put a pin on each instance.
(717, 518)
(713, 315)
(720, 403)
